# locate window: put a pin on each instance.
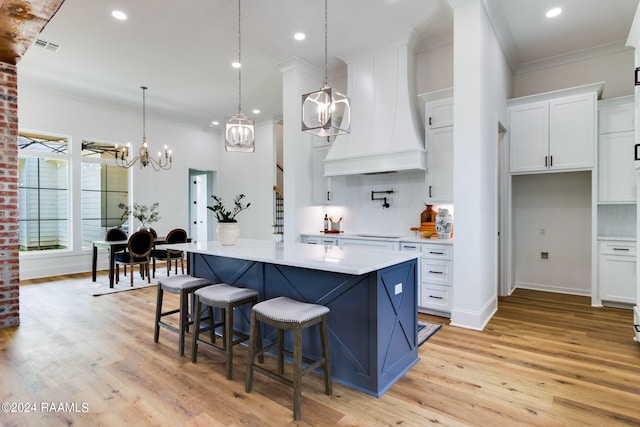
(104, 187)
(43, 197)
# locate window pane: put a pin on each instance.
(42, 143)
(42, 204)
(99, 150)
(104, 187)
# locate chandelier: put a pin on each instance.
(239, 129)
(122, 154)
(326, 112)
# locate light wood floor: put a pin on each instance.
(544, 359)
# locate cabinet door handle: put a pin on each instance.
(550, 161)
(621, 249)
(429, 121)
(436, 253)
(328, 195)
(435, 272)
(435, 297)
(430, 192)
(545, 161)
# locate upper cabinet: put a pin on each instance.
(438, 109)
(322, 186)
(553, 132)
(616, 168)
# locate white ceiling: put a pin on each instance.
(182, 50)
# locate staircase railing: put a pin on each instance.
(278, 213)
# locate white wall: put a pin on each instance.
(48, 112)
(615, 68)
(482, 81)
(254, 175)
(552, 213)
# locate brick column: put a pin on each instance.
(9, 259)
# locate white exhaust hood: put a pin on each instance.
(385, 132)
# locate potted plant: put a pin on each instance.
(228, 230)
(147, 215)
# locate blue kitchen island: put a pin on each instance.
(372, 295)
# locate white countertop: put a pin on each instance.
(328, 258)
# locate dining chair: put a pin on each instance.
(138, 253)
(115, 234)
(177, 235)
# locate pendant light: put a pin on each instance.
(239, 129)
(163, 162)
(326, 112)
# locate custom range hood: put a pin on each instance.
(385, 132)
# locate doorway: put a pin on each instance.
(201, 184)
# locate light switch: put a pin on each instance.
(398, 288)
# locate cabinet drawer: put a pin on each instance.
(436, 271)
(367, 243)
(410, 247)
(435, 297)
(437, 251)
(615, 247)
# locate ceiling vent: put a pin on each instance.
(47, 45)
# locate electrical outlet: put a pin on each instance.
(398, 288)
(543, 232)
(544, 255)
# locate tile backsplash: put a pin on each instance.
(617, 221)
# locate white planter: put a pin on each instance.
(228, 233)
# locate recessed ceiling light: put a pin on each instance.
(236, 64)
(118, 14)
(552, 13)
(256, 111)
(299, 36)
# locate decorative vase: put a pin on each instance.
(144, 227)
(443, 224)
(228, 233)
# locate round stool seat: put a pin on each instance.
(283, 309)
(175, 284)
(223, 294)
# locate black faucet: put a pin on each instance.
(385, 204)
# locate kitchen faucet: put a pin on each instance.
(385, 204)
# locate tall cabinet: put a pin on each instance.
(616, 202)
(552, 209)
(438, 110)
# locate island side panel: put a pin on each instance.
(397, 322)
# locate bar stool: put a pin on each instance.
(184, 285)
(225, 297)
(286, 314)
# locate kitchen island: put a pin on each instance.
(372, 295)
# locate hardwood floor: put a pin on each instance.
(544, 360)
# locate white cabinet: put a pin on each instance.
(319, 240)
(553, 134)
(367, 243)
(322, 190)
(436, 276)
(616, 170)
(439, 146)
(617, 271)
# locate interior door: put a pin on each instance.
(198, 191)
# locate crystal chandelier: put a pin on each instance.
(326, 112)
(122, 154)
(239, 130)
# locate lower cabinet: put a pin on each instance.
(617, 271)
(436, 276)
(368, 243)
(319, 240)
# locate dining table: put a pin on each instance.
(114, 246)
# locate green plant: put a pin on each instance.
(228, 215)
(143, 213)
